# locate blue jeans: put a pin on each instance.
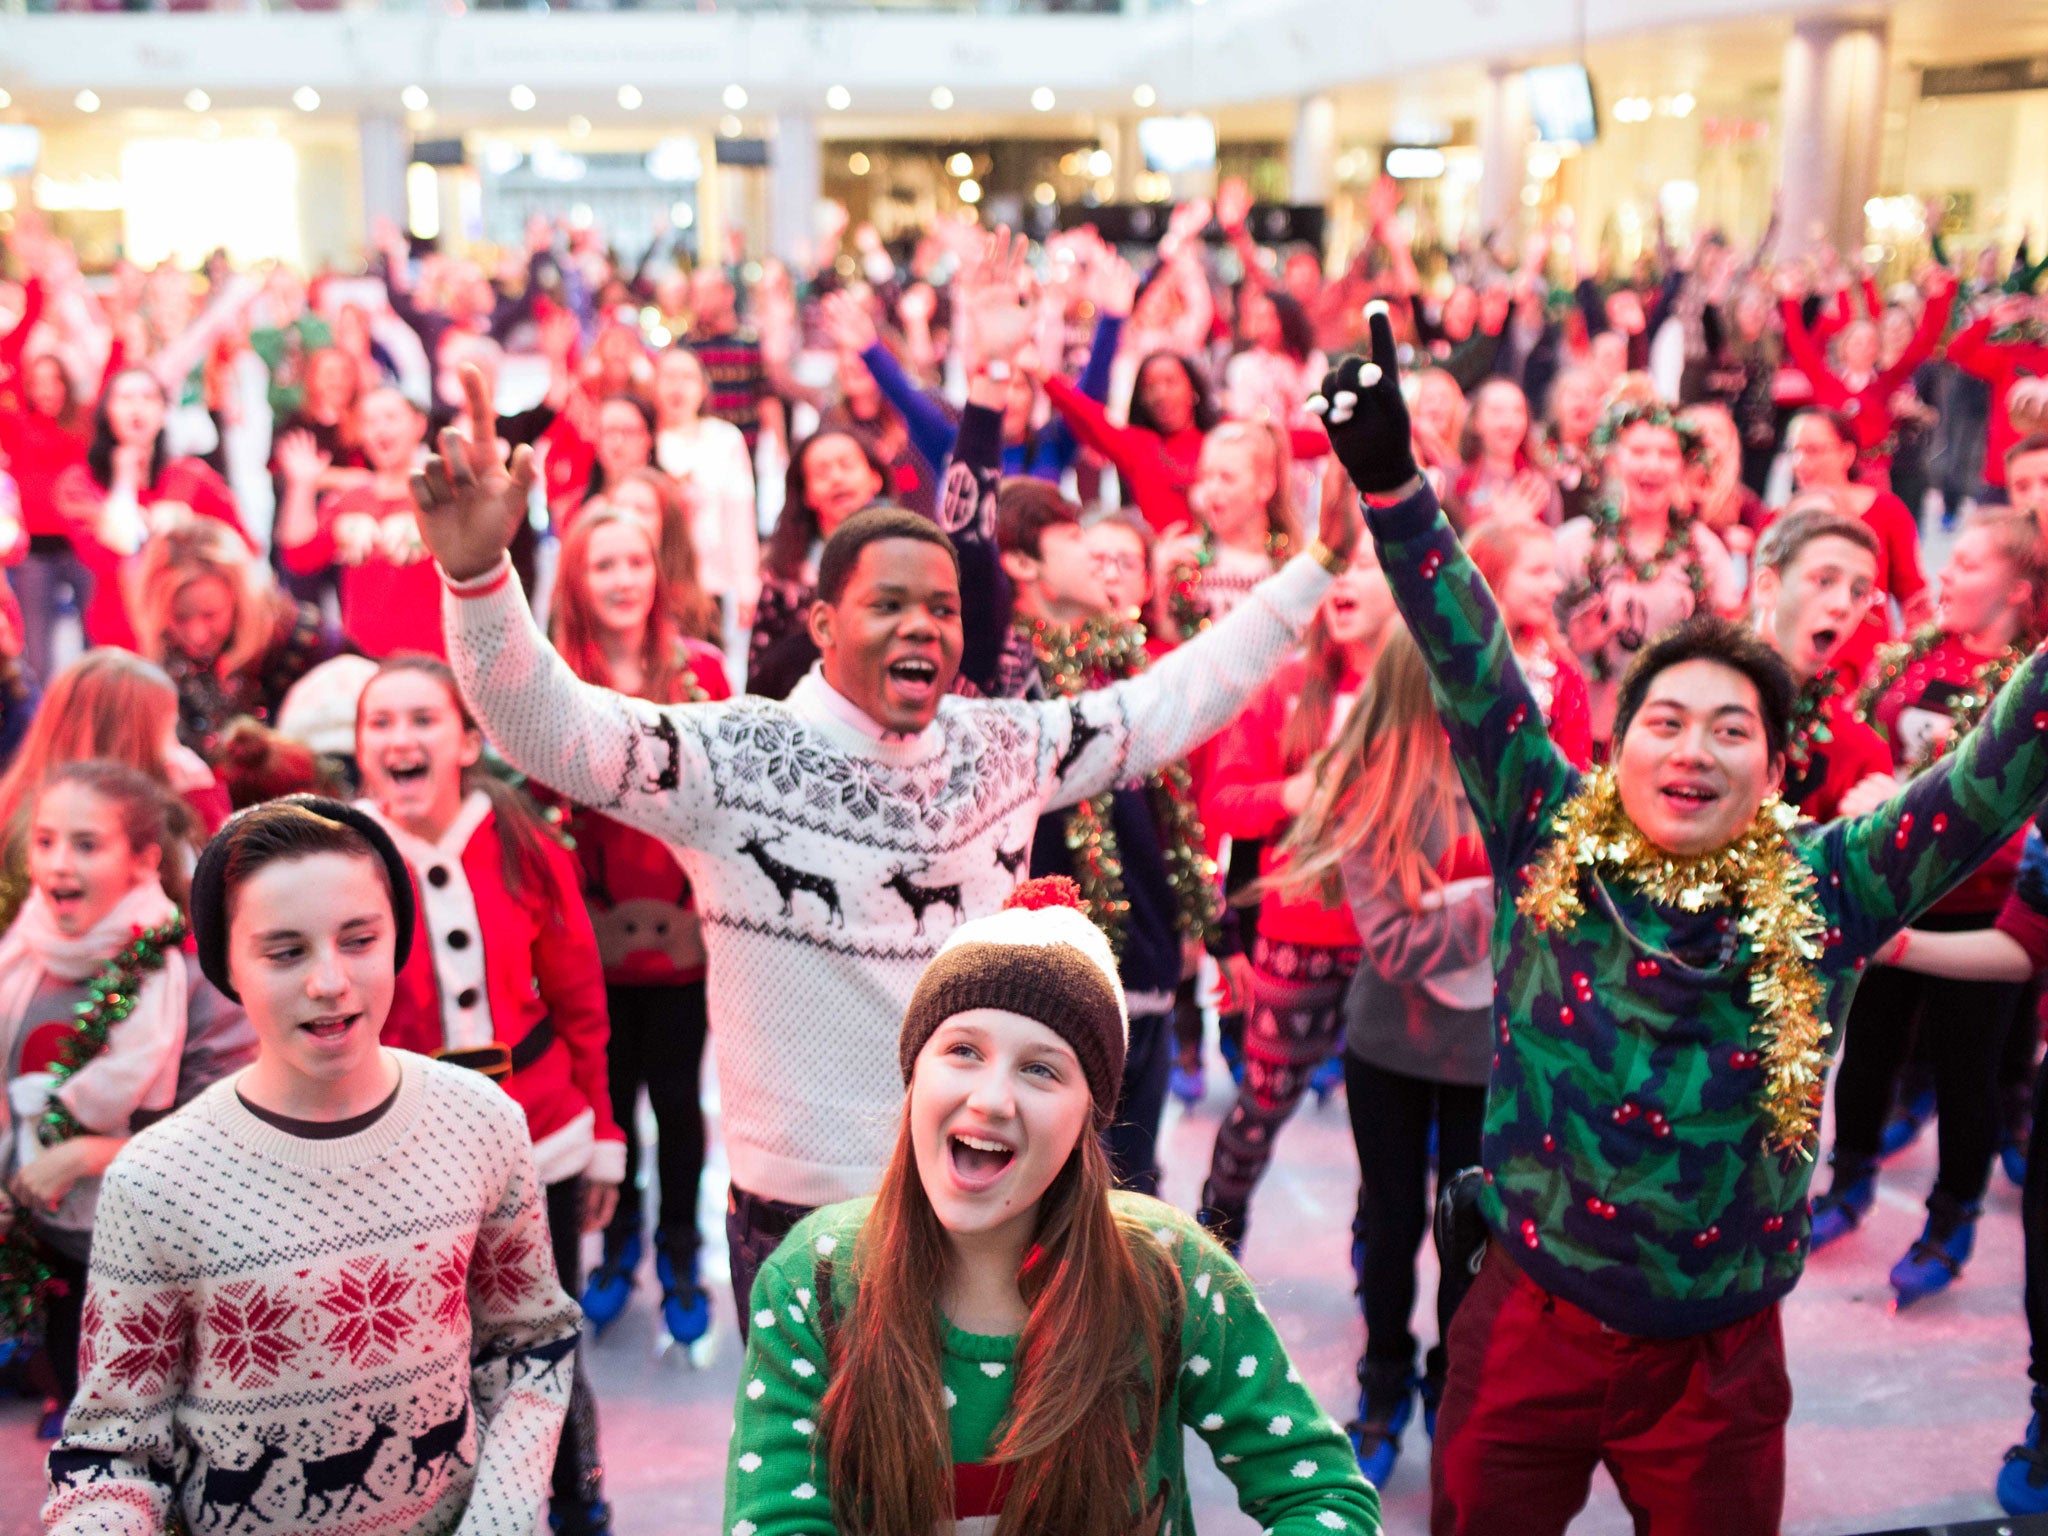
(1132, 1140)
(37, 581)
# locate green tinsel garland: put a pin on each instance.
(109, 998)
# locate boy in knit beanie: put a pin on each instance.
(323, 1291)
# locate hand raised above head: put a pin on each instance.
(1361, 407)
(470, 496)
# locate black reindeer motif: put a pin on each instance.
(346, 1474)
(1079, 738)
(230, 1492)
(922, 897)
(438, 1444)
(788, 881)
(546, 1359)
(1010, 860)
(66, 1468)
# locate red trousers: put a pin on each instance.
(1540, 1393)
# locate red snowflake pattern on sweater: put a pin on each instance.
(151, 1342)
(501, 1276)
(451, 1274)
(252, 1337)
(371, 1319)
(90, 1321)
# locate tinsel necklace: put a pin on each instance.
(1898, 658)
(1610, 551)
(109, 998)
(1072, 661)
(1758, 877)
(1810, 728)
(1184, 582)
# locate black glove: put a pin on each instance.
(1362, 409)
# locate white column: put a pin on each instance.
(385, 147)
(1312, 156)
(1503, 150)
(1830, 130)
(795, 182)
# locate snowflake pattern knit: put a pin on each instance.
(829, 865)
(364, 1333)
(1624, 1157)
(1293, 1469)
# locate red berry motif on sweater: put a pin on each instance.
(1529, 1232)
(1582, 986)
(1605, 1210)
(1905, 827)
(1742, 1061)
(1549, 1142)
(1431, 564)
(1627, 1111)
(1773, 1223)
(1707, 1238)
(1648, 968)
(1518, 717)
(1940, 823)
(1565, 1015)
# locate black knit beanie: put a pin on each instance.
(209, 880)
(1040, 957)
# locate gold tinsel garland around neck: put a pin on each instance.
(1768, 886)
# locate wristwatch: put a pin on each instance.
(1328, 558)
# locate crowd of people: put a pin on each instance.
(397, 786)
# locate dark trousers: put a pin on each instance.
(657, 1043)
(579, 1472)
(37, 583)
(754, 1228)
(1965, 1024)
(1540, 1393)
(2034, 1226)
(63, 1315)
(1132, 1140)
(1390, 1120)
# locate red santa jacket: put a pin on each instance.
(488, 965)
(80, 502)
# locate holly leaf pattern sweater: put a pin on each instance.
(1624, 1155)
(1294, 1471)
(829, 863)
(364, 1333)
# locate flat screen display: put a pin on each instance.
(21, 146)
(1172, 145)
(1561, 104)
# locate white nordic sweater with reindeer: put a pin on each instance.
(829, 864)
(363, 1334)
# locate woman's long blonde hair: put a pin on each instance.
(1094, 1368)
(172, 561)
(1386, 787)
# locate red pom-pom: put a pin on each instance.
(1045, 891)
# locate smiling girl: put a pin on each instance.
(613, 626)
(508, 979)
(81, 1072)
(995, 1342)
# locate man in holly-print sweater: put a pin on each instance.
(1644, 1191)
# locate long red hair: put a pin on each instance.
(1496, 547)
(576, 627)
(1097, 1361)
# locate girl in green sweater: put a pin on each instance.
(996, 1344)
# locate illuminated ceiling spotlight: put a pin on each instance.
(523, 98)
(970, 191)
(306, 99)
(6, 101)
(1682, 104)
(1045, 194)
(1042, 99)
(735, 98)
(960, 163)
(838, 98)
(197, 100)
(1144, 96)
(413, 98)
(858, 163)
(630, 97)
(942, 99)
(86, 101)
(730, 127)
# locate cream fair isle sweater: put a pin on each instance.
(363, 1334)
(828, 864)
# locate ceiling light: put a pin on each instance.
(970, 191)
(838, 98)
(735, 97)
(629, 97)
(960, 163)
(1144, 96)
(86, 101)
(6, 101)
(523, 98)
(942, 99)
(306, 99)
(197, 100)
(1044, 194)
(1682, 104)
(1042, 99)
(579, 127)
(1100, 162)
(414, 98)
(858, 163)
(730, 127)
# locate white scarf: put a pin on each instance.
(138, 1067)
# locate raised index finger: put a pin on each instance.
(476, 392)
(1381, 324)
